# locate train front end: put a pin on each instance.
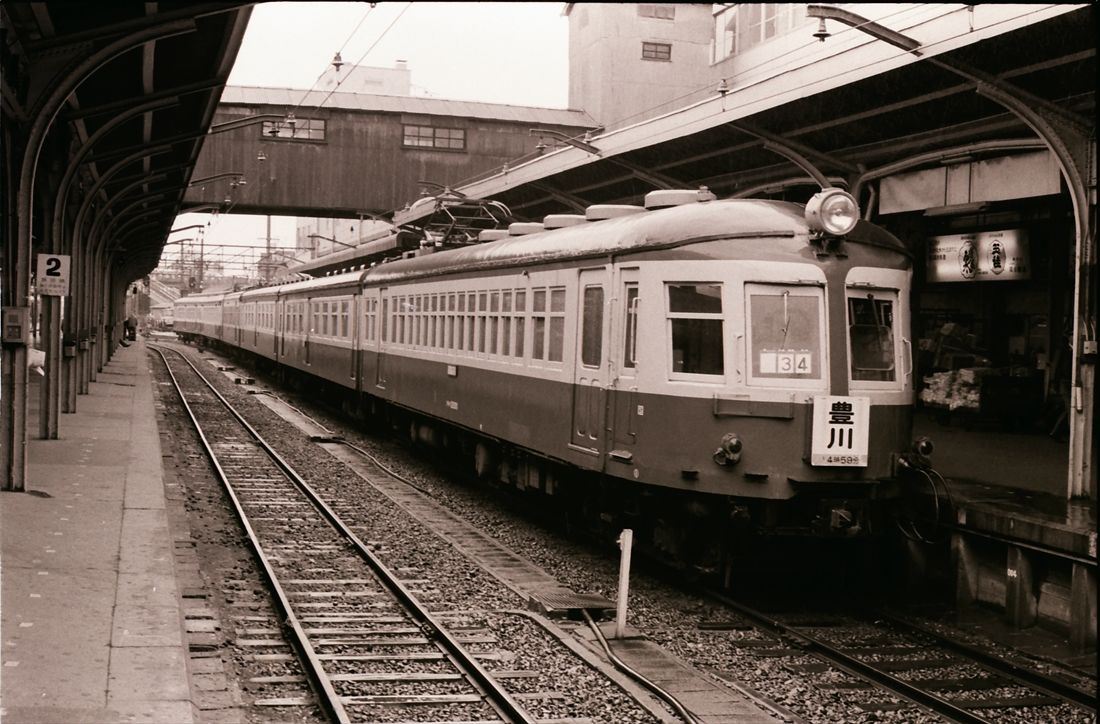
(789, 386)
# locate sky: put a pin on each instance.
(494, 52)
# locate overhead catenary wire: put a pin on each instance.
(357, 62)
(340, 50)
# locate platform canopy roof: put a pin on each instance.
(134, 85)
(854, 106)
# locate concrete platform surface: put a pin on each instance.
(89, 606)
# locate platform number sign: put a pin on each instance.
(52, 279)
(840, 431)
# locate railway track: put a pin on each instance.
(889, 665)
(880, 671)
(370, 650)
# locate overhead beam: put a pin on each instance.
(566, 199)
(659, 180)
(127, 103)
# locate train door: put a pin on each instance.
(624, 366)
(590, 369)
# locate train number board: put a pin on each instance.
(840, 432)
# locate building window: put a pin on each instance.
(302, 129)
(737, 28)
(661, 12)
(453, 139)
(656, 51)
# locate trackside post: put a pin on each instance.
(626, 541)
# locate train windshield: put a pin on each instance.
(786, 342)
(872, 350)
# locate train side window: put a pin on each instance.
(557, 324)
(592, 327)
(482, 310)
(494, 322)
(538, 323)
(399, 320)
(521, 320)
(448, 305)
(506, 322)
(871, 336)
(630, 345)
(785, 332)
(471, 315)
(695, 328)
(439, 318)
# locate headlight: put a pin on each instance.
(832, 211)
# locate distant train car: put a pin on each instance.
(198, 317)
(320, 328)
(687, 366)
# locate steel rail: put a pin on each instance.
(1020, 674)
(319, 680)
(855, 667)
(495, 694)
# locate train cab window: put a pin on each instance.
(592, 327)
(871, 335)
(695, 328)
(786, 342)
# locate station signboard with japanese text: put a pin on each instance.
(52, 278)
(981, 256)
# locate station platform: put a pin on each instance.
(91, 618)
(1014, 543)
(1011, 484)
